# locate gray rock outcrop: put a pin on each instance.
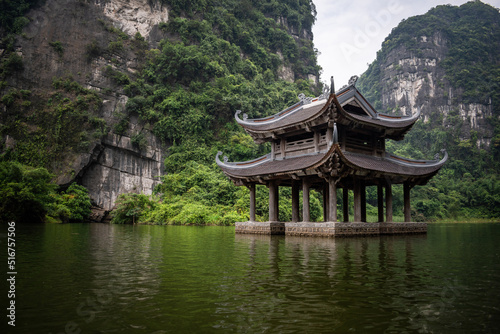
(413, 81)
(113, 164)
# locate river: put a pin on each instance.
(100, 278)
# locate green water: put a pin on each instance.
(97, 278)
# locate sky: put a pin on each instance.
(348, 33)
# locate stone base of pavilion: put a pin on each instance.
(329, 229)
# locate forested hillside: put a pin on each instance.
(189, 76)
(228, 58)
(446, 64)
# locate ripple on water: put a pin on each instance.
(169, 279)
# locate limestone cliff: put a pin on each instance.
(428, 65)
(91, 45)
(132, 16)
(97, 90)
(414, 84)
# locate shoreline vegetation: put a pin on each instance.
(467, 221)
(199, 195)
(444, 221)
(27, 194)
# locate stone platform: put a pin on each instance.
(328, 229)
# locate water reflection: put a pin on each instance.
(157, 279)
(125, 265)
(343, 278)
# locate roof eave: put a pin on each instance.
(263, 135)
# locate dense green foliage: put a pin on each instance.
(12, 22)
(65, 122)
(217, 59)
(468, 185)
(12, 14)
(130, 208)
(215, 64)
(28, 195)
(44, 128)
(77, 200)
(201, 194)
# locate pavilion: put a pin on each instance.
(334, 141)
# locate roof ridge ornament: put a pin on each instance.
(217, 159)
(332, 85)
(353, 80)
(304, 99)
(238, 112)
(436, 156)
(325, 93)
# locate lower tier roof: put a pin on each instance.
(333, 162)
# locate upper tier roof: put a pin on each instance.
(347, 106)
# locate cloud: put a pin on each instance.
(348, 33)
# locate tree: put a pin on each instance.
(130, 208)
(25, 193)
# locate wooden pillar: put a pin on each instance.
(374, 145)
(277, 203)
(332, 203)
(316, 140)
(295, 201)
(357, 200)
(326, 201)
(273, 201)
(363, 200)
(251, 187)
(388, 202)
(345, 204)
(380, 202)
(305, 201)
(283, 148)
(343, 138)
(329, 134)
(407, 209)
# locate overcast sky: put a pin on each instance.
(348, 33)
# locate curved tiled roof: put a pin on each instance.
(268, 166)
(385, 120)
(298, 113)
(390, 165)
(309, 109)
(394, 165)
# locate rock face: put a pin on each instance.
(113, 165)
(414, 82)
(101, 46)
(119, 168)
(286, 72)
(132, 16)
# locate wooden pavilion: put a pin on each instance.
(336, 140)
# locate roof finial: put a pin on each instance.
(332, 86)
(352, 80)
